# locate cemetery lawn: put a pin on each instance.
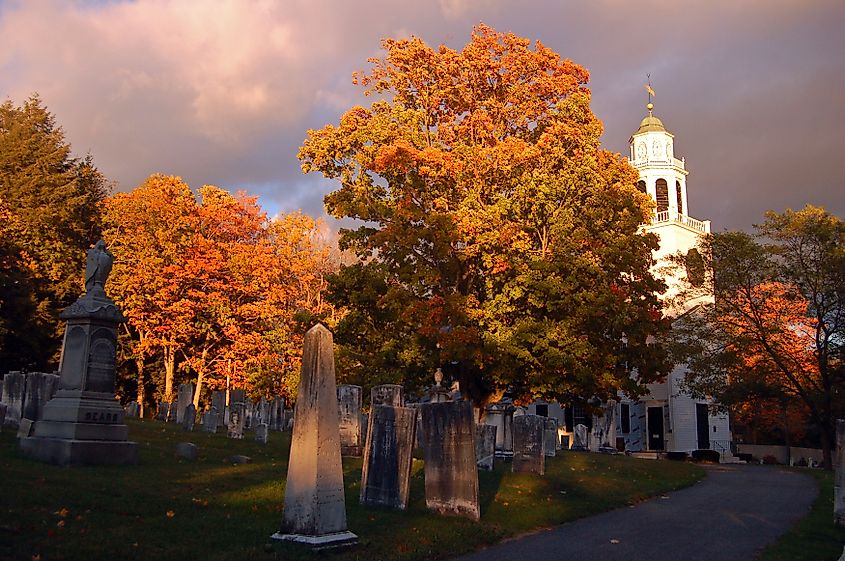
(814, 538)
(210, 509)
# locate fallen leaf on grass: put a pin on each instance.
(170, 514)
(614, 540)
(61, 513)
(60, 524)
(36, 557)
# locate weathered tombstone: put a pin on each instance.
(132, 409)
(839, 477)
(248, 413)
(236, 421)
(189, 417)
(579, 438)
(485, 446)
(186, 451)
(528, 444)
(25, 428)
(14, 387)
(550, 435)
(262, 412)
(2, 415)
(83, 423)
(386, 473)
(163, 411)
(439, 393)
(277, 414)
(315, 507)
(261, 433)
(349, 411)
(451, 476)
(210, 420)
(218, 401)
(500, 415)
(40, 388)
(387, 394)
(184, 397)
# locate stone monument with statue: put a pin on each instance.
(83, 423)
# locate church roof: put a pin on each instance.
(651, 124)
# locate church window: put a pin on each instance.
(680, 198)
(641, 186)
(662, 192)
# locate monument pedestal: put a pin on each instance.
(324, 541)
(83, 423)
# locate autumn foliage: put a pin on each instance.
(497, 234)
(212, 288)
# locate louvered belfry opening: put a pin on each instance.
(662, 193)
(641, 186)
(679, 197)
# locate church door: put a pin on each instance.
(655, 428)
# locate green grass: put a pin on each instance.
(210, 510)
(814, 538)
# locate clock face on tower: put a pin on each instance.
(655, 148)
(641, 150)
(669, 150)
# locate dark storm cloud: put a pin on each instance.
(223, 92)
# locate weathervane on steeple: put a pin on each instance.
(651, 94)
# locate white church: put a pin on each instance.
(666, 419)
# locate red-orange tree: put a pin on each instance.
(777, 328)
(497, 233)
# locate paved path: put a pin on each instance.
(729, 516)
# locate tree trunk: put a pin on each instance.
(142, 393)
(200, 377)
(787, 440)
(169, 370)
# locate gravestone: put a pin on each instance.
(262, 412)
(40, 388)
(277, 414)
(349, 411)
(189, 417)
(529, 444)
(2, 415)
(210, 420)
(485, 446)
(236, 421)
(25, 428)
(14, 387)
(839, 477)
(83, 423)
(550, 435)
(387, 394)
(163, 411)
(247, 412)
(261, 433)
(451, 476)
(439, 393)
(186, 451)
(315, 507)
(132, 409)
(184, 397)
(579, 438)
(500, 415)
(386, 473)
(218, 401)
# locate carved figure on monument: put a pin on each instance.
(97, 267)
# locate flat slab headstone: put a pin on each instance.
(550, 435)
(163, 413)
(84, 422)
(277, 414)
(349, 411)
(25, 428)
(262, 432)
(40, 388)
(189, 417)
(236, 421)
(133, 409)
(839, 476)
(218, 402)
(2, 415)
(485, 446)
(579, 437)
(387, 394)
(184, 398)
(210, 420)
(388, 457)
(249, 413)
(451, 476)
(315, 507)
(500, 415)
(186, 451)
(529, 444)
(14, 387)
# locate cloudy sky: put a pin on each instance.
(222, 92)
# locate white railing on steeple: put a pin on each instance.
(678, 218)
